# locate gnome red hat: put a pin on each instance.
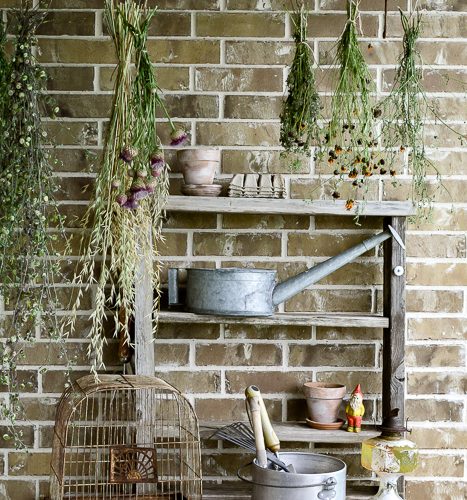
(357, 390)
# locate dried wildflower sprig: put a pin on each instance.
(300, 111)
(349, 138)
(132, 185)
(28, 267)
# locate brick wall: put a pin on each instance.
(222, 65)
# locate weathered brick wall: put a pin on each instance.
(222, 65)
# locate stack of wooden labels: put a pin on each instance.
(257, 186)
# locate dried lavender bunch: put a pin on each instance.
(300, 111)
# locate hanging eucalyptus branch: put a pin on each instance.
(28, 264)
(131, 188)
(300, 111)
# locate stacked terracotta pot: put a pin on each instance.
(199, 167)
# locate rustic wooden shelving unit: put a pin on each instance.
(392, 321)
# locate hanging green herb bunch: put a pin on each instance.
(349, 139)
(404, 114)
(131, 188)
(300, 111)
(28, 265)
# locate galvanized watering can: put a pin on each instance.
(254, 292)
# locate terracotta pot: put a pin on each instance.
(323, 400)
(198, 165)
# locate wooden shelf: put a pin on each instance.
(286, 206)
(239, 491)
(298, 319)
(300, 433)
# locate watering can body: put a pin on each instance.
(254, 292)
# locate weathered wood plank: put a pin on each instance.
(300, 432)
(303, 319)
(289, 206)
(394, 310)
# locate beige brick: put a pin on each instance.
(236, 244)
(26, 434)
(54, 380)
(364, 5)
(70, 78)
(72, 133)
(244, 24)
(230, 410)
(189, 332)
(449, 5)
(435, 301)
(12, 489)
(66, 50)
(450, 191)
(433, 26)
(236, 221)
(190, 220)
(39, 353)
(268, 381)
(439, 438)
(434, 355)
(254, 107)
(440, 136)
(434, 410)
(238, 354)
(239, 79)
(185, 4)
(331, 355)
(189, 382)
(237, 134)
(355, 273)
(375, 52)
(234, 161)
(449, 490)
(223, 464)
(331, 301)
(434, 80)
(448, 162)
(259, 52)
(171, 24)
(437, 245)
(437, 329)
(171, 354)
(332, 25)
(451, 219)
(75, 4)
(267, 332)
(75, 160)
(338, 333)
(191, 106)
(174, 244)
(168, 78)
(440, 466)
(318, 190)
(83, 105)
(26, 381)
(436, 383)
(319, 245)
(41, 408)
(337, 222)
(370, 381)
(75, 188)
(68, 23)
(29, 464)
(437, 274)
(184, 51)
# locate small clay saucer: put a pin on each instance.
(201, 189)
(325, 427)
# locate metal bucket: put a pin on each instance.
(317, 477)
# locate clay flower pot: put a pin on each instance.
(323, 401)
(198, 165)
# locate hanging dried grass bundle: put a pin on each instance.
(131, 188)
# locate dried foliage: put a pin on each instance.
(131, 188)
(28, 264)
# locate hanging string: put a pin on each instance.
(385, 18)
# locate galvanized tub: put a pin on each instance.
(317, 477)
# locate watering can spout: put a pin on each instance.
(287, 289)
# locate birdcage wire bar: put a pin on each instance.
(125, 437)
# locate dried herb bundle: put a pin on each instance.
(132, 185)
(28, 264)
(350, 135)
(300, 112)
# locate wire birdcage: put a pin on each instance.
(125, 437)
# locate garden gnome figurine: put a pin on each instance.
(355, 410)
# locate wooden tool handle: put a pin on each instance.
(258, 432)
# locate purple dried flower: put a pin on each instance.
(151, 186)
(157, 160)
(140, 195)
(156, 172)
(128, 154)
(178, 137)
(131, 204)
(137, 185)
(121, 199)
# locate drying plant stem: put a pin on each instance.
(299, 117)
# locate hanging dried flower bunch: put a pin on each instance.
(132, 185)
(349, 139)
(300, 112)
(28, 265)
